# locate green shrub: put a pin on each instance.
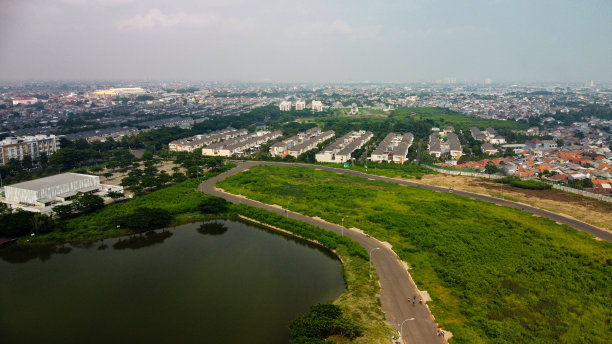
(524, 184)
(145, 218)
(322, 321)
(213, 205)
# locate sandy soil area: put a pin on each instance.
(591, 211)
(115, 179)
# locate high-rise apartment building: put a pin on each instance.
(300, 105)
(285, 106)
(317, 106)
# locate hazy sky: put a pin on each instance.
(304, 41)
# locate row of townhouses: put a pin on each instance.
(489, 135)
(300, 143)
(341, 150)
(189, 144)
(450, 145)
(239, 145)
(393, 148)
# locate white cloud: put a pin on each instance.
(155, 18)
(341, 27)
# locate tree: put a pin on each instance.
(178, 177)
(62, 211)
(26, 162)
(491, 168)
(16, 223)
(42, 223)
(213, 205)
(115, 194)
(194, 172)
(163, 178)
(150, 171)
(86, 202)
(130, 181)
(147, 181)
(145, 218)
(43, 159)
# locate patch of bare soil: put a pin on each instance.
(115, 179)
(591, 211)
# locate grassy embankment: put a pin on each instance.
(360, 301)
(496, 275)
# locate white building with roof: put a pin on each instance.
(40, 194)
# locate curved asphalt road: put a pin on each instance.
(397, 288)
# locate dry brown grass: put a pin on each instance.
(591, 211)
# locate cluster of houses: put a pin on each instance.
(189, 144)
(240, 145)
(393, 148)
(300, 143)
(443, 142)
(565, 167)
(489, 137)
(340, 151)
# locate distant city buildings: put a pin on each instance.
(33, 146)
(120, 91)
(25, 100)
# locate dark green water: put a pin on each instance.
(217, 282)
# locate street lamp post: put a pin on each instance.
(287, 209)
(375, 248)
(343, 226)
(403, 325)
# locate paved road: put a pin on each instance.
(397, 288)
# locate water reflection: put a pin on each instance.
(137, 241)
(21, 254)
(212, 228)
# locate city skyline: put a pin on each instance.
(306, 41)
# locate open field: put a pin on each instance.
(495, 274)
(588, 210)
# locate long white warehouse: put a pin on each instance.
(44, 191)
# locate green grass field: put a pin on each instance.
(496, 275)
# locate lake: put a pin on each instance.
(213, 282)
